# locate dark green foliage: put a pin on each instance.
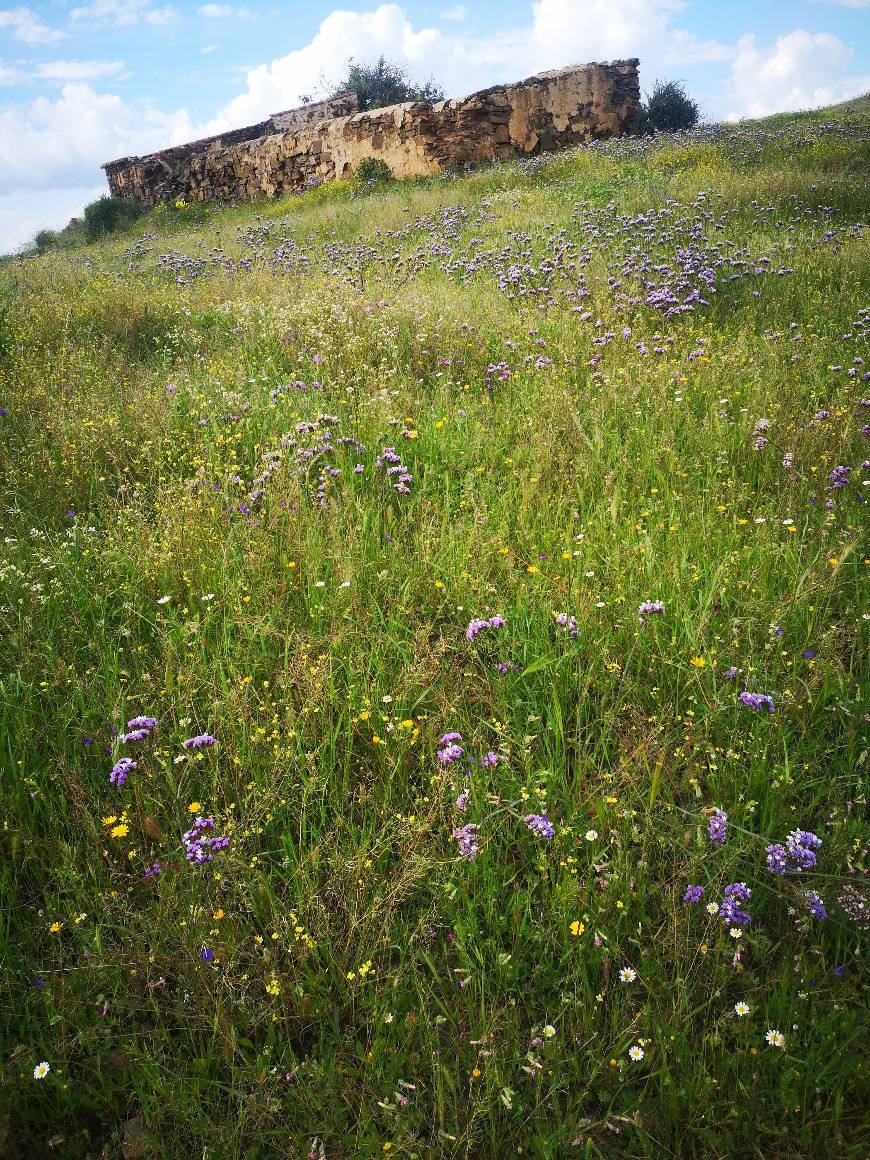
(383, 83)
(668, 108)
(373, 171)
(107, 215)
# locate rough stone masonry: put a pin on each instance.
(293, 150)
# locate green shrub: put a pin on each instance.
(107, 215)
(668, 108)
(381, 83)
(373, 171)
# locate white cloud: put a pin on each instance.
(207, 48)
(851, 3)
(686, 48)
(457, 12)
(803, 70)
(61, 143)
(461, 64)
(44, 209)
(76, 70)
(28, 28)
(224, 12)
(59, 71)
(122, 13)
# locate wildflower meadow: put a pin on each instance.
(433, 679)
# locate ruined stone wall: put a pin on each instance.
(316, 143)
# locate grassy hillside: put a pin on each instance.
(317, 483)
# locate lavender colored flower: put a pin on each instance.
(142, 723)
(731, 674)
(152, 871)
(449, 753)
(650, 608)
(121, 770)
(839, 477)
(134, 735)
(199, 847)
(202, 740)
(468, 839)
(798, 853)
(462, 801)
(475, 627)
(540, 825)
(757, 701)
(717, 827)
(693, 894)
(817, 907)
(777, 858)
(448, 737)
(490, 759)
(731, 913)
(563, 620)
(206, 954)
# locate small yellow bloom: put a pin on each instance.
(218, 915)
(476, 1073)
(55, 927)
(194, 807)
(120, 831)
(698, 663)
(577, 928)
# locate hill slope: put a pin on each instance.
(399, 588)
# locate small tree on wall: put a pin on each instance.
(382, 83)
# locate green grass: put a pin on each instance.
(372, 992)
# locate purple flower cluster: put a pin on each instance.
(839, 477)
(798, 853)
(717, 827)
(397, 472)
(138, 729)
(469, 842)
(540, 825)
(201, 741)
(199, 846)
(450, 751)
(757, 701)
(729, 911)
(817, 907)
(563, 620)
(693, 893)
(121, 770)
(760, 434)
(650, 608)
(477, 626)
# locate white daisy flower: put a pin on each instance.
(41, 1070)
(635, 1053)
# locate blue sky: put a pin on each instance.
(85, 81)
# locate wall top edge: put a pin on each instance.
(267, 128)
